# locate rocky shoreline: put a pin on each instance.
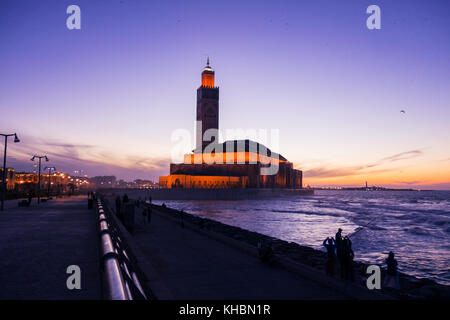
(411, 287)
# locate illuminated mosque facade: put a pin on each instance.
(231, 164)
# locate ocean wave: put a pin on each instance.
(309, 213)
(441, 222)
(417, 231)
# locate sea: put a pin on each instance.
(415, 225)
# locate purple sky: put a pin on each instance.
(107, 98)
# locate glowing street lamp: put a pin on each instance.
(16, 140)
(39, 176)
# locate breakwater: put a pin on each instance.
(414, 225)
(290, 253)
(211, 194)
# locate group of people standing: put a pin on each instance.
(339, 249)
(146, 211)
(119, 201)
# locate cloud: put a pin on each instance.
(403, 156)
(323, 172)
(69, 145)
(68, 157)
(330, 172)
(410, 182)
(148, 163)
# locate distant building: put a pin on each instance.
(24, 182)
(56, 181)
(103, 181)
(10, 178)
(144, 184)
(232, 164)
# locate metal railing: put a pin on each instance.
(119, 267)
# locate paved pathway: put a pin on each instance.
(193, 266)
(38, 243)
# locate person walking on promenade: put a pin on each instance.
(391, 272)
(330, 244)
(125, 198)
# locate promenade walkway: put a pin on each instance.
(38, 243)
(193, 266)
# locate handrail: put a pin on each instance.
(119, 277)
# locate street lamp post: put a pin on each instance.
(39, 176)
(49, 178)
(16, 139)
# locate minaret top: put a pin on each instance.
(208, 67)
(208, 76)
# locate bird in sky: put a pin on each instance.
(402, 111)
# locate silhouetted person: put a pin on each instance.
(150, 199)
(347, 259)
(118, 204)
(30, 197)
(338, 240)
(163, 205)
(330, 244)
(125, 198)
(391, 272)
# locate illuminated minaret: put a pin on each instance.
(207, 106)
